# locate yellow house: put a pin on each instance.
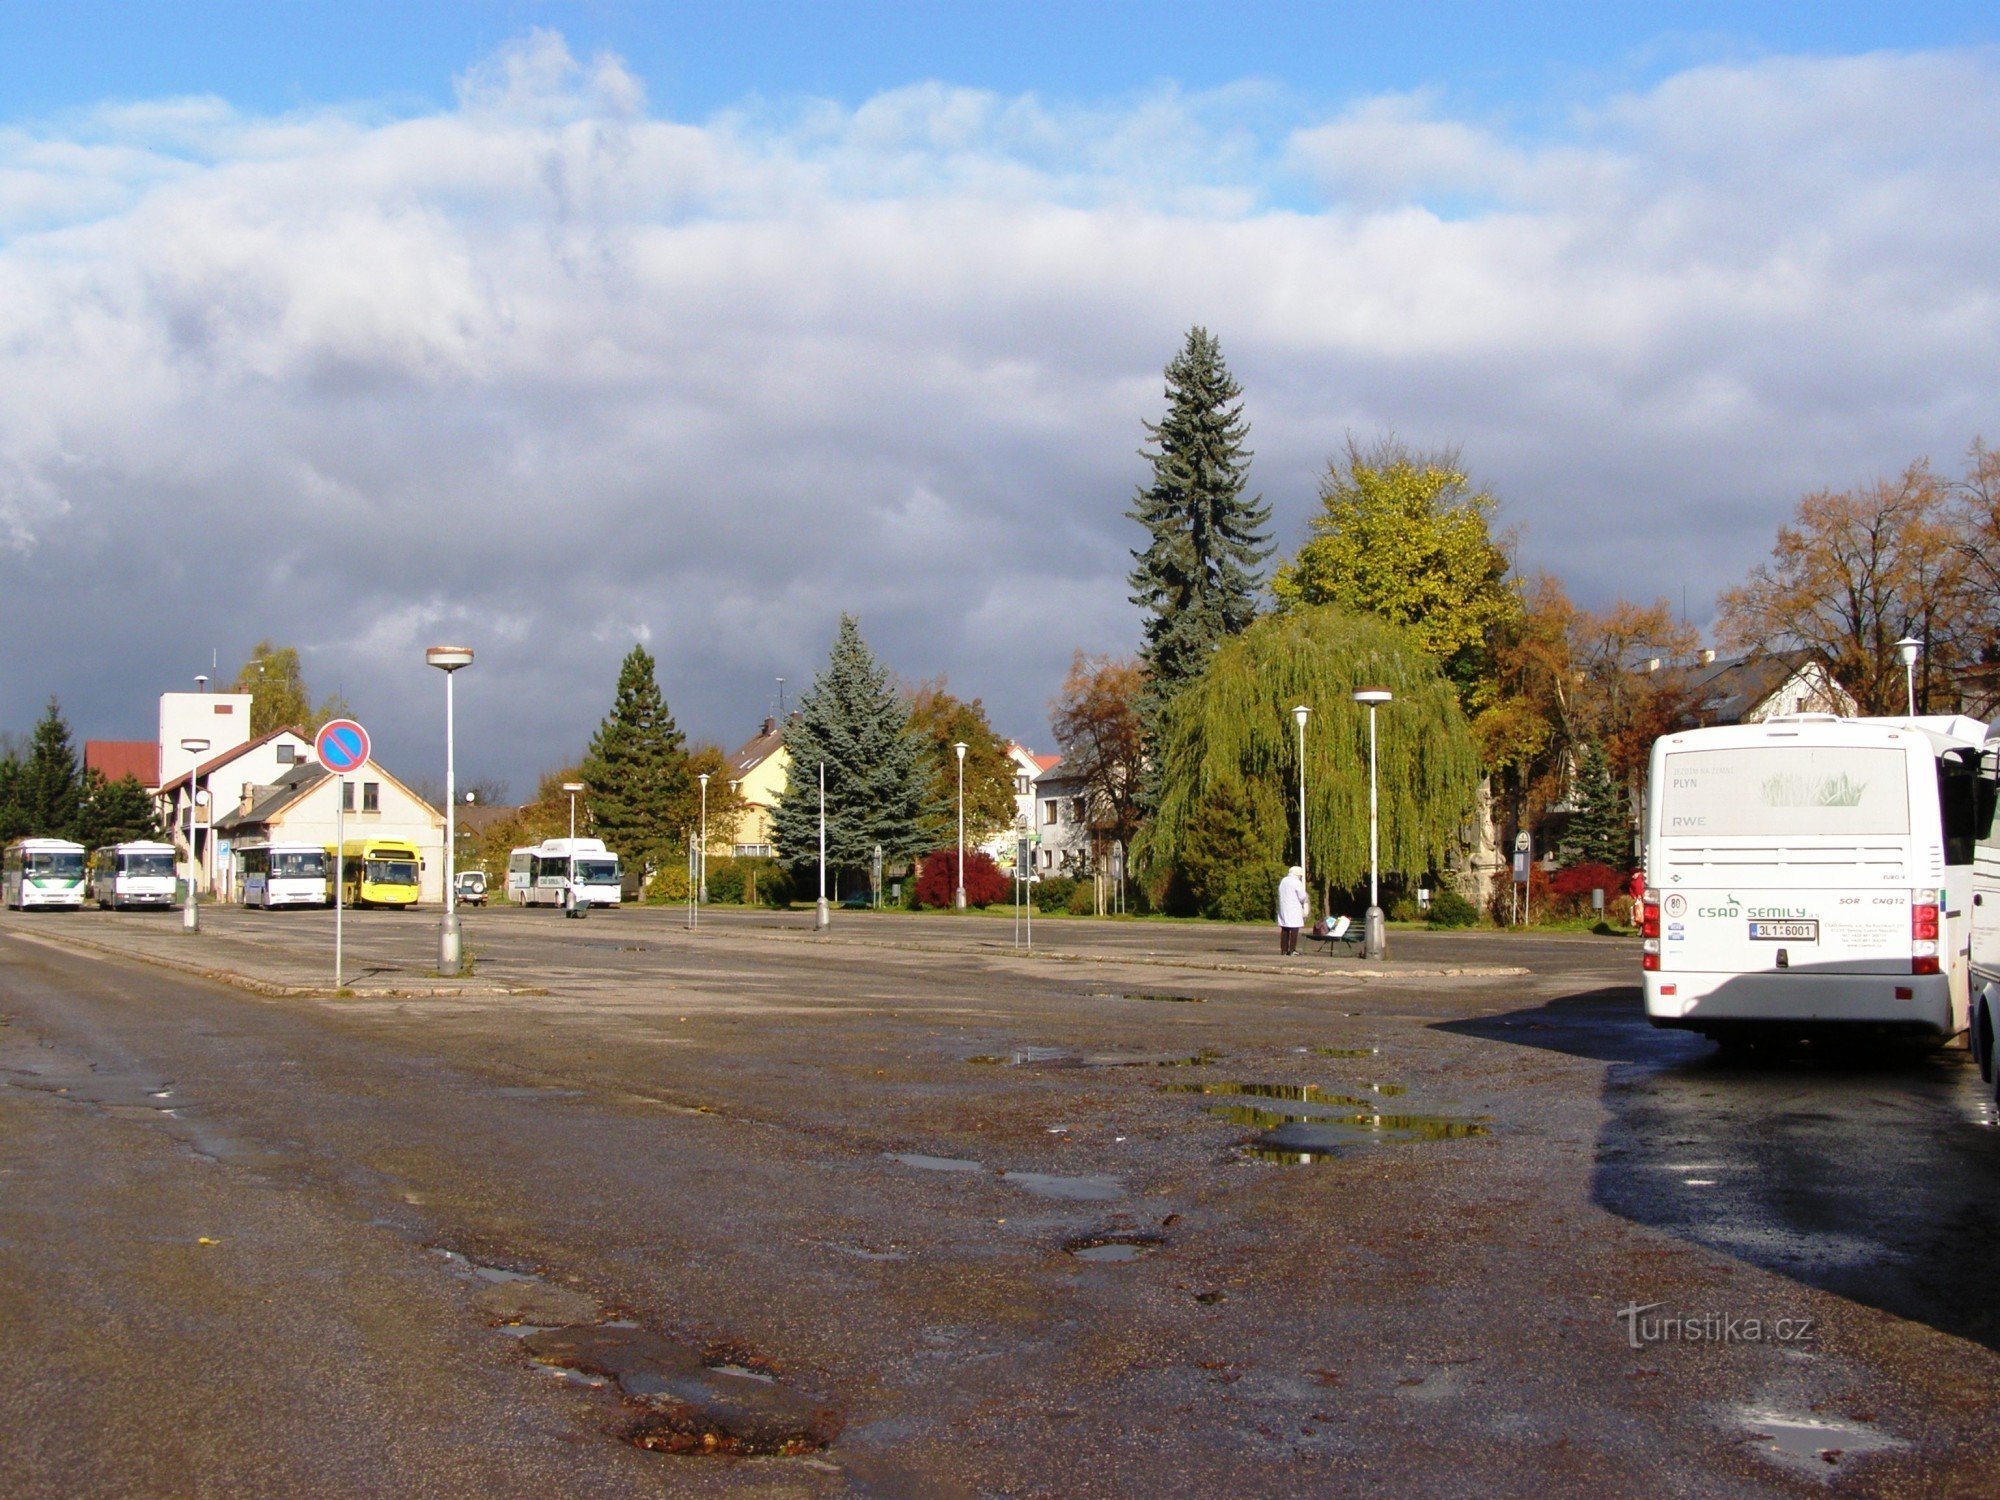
(758, 773)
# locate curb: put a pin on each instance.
(1157, 961)
(268, 987)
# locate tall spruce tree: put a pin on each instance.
(13, 817)
(877, 776)
(49, 785)
(114, 812)
(1600, 830)
(637, 769)
(1197, 576)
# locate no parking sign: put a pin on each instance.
(341, 745)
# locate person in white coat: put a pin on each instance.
(1291, 910)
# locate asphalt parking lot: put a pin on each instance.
(902, 1210)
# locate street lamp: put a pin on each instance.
(448, 659)
(958, 748)
(190, 909)
(1301, 713)
(1375, 938)
(575, 906)
(703, 779)
(1909, 648)
(820, 918)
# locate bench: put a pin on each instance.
(1340, 934)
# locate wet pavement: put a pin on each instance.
(747, 1211)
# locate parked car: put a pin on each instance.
(471, 887)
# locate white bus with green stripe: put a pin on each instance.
(37, 873)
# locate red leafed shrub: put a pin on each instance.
(937, 879)
(1576, 882)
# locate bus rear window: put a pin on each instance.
(1786, 791)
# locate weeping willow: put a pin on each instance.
(1233, 729)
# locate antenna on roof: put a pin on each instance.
(781, 700)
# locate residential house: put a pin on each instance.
(307, 804)
(758, 773)
(222, 781)
(1027, 765)
(1751, 689)
(1061, 821)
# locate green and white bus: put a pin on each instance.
(42, 872)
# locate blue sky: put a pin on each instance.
(550, 328)
(696, 58)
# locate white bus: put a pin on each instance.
(543, 875)
(42, 872)
(284, 875)
(140, 873)
(1813, 871)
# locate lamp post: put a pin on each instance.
(820, 918)
(1375, 938)
(575, 905)
(958, 749)
(1300, 714)
(191, 908)
(703, 857)
(448, 659)
(1909, 648)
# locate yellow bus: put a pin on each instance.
(379, 872)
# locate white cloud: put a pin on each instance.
(551, 373)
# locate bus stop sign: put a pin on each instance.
(342, 746)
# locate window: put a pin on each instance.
(371, 796)
(347, 796)
(1049, 807)
(286, 755)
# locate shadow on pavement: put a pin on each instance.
(1871, 1173)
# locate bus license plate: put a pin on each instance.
(1784, 932)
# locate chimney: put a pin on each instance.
(1652, 664)
(1707, 656)
(201, 682)
(769, 725)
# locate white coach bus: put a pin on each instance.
(140, 873)
(42, 872)
(277, 875)
(1813, 871)
(544, 875)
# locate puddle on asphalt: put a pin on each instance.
(1323, 1137)
(1060, 1057)
(1158, 998)
(1344, 1051)
(1114, 1248)
(1811, 1445)
(1302, 1093)
(1041, 1184)
(496, 1274)
(1023, 1057)
(933, 1163)
(1073, 1189)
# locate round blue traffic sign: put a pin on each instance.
(342, 746)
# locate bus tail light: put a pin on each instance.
(1923, 939)
(1649, 931)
